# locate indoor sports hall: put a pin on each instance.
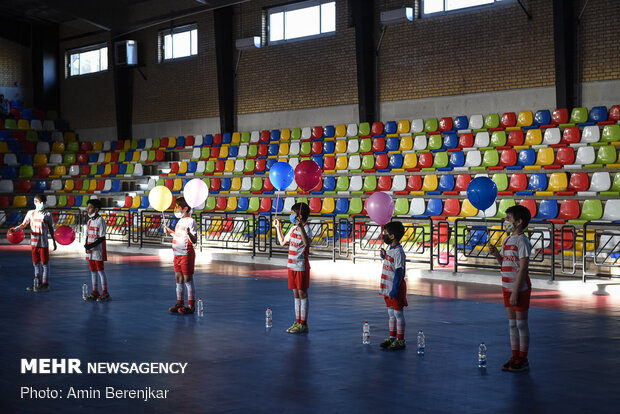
(239, 151)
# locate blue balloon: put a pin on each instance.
(281, 175)
(481, 192)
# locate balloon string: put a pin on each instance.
(277, 203)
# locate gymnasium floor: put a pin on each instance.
(236, 365)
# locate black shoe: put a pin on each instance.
(175, 308)
(388, 341)
(186, 310)
(521, 364)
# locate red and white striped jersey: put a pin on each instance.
(298, 251)
(180, 240)
(96, 228)
(41, 222)
(394, 259)
(515, 248)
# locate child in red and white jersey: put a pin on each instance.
(516, 285)
(184, 237)
(299, 238)
(393, 286)
(41, 226)
(96, 252)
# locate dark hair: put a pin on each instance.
(95, 202)
(41, 197)
(520, 212)
(396, 229)
(180, 201)
(302, 209)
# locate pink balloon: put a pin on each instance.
(64, 235)
(15, 237)
(380, 207)
(307, 175)
(195, 192)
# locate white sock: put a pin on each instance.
(37, 270)
(297, 309)
(514, 334)
(190, 291)
(93, 280)
(392, 322)
(46, 269)
(104, 280)
(304, 310)
(524, 335)
(179, 292)
(400, 324)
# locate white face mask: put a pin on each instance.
(39, 206)
(92, 215)
(178, 214)
(509, 227)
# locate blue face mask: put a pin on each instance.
(293, 218)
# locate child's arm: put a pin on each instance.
(493, 250)
(23, 225)
(398, 277)
(50, 223)
(90, 246)
(278, 225)
(192, 237)
(304, 236)
(524, 263)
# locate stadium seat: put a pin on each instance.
(508, 120)
(611, 134)
(590, 135)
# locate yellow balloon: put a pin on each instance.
(160, 198)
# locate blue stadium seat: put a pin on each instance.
(208, 140)
(5, 135)
(342, 206)
(191, 167)
(277, 205)
(526, 157)
(538, 182)
(450, 141)
(144, 202)
(141, 143)
(93, 157)
(446, 183)
(77, 201)
(396, 161)
(329, 147)
(25, 159)
(329, 131)
(392, 144)
(122, 169)
(100, 169)
(318, 159)
(390, 127)
(27, 114)
(116, 185)
(542, 117)
(461, 122)
(548, 209)
(329, 183)
(40, 186)
(274, 135)
(180, 142)
(434, 207)
(225, 184)
(597, 114)
(242, 204)
(457, 159)
(269, 163)
(226, 138)
(273, 149)
(233, 151)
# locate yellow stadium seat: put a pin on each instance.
(231, 204)
(404, 127)
(236, 138)
(342, 162)
(40, 159)
(235, 184)
(70, 136)
(23, 124)
(58, 148)
(410, 160)
(533, 137)
(20, 201)
(92, 186)
(283, 149)
(545, 156)
(328, 206)
(229, 166)
(177, 184)
(525, 118)
(341, 146)
(172, 142)
(182, 167)
(97, 146)
(69, 186)
(430, 183)
(285, 134)
(59, 171)
(467, 209)
(558, 181)
(406, 143)
(107, 170)
(135, 203)
(223, 151)
(341, 130)
(4, 148)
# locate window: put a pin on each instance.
(178, 42)
(89, 59)
(438, 6)
(301, 20)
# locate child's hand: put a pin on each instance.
(514, 298)
(382, 252)
(276, 223)
(493, 250)
(55, 246)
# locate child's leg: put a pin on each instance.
(297, 305)
(38, 270)
(104, 280)
(303, 306)
(392, 322)
(400, 323)
(94, 281)
(178, 276)
(514, 331)
(191, 291)
(524, 333)
(45, 258)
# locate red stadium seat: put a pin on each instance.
(530, 204)
(261, 164)
(569, 210)
(377, 128)
(317, 147)
(518, 182)
(263, 150)
(44, 171)
(560, 116)
(214, 185)
(425, 160)
(462, 181)
(220, 204)
(215, 152)
(466, 140)
(414, 183)
(317, 132)
(314, 204)
(564, 156)
(264, 136)
(382, 161)
(451, 207)
(508, 120)
(329, 163)
(378, 144)
(579, 181)
(384, 183)
(445, 124)
(267, 186)
(515, 138)
(220, 165)
(614, 113)
(217, 140)
(571, 135)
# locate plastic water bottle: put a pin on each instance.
(421, 342)
(268, 318)
(366, 334)
(200, 310)
(36, 283)
(482, 355)
(84, 291)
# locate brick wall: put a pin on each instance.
(15, 71)
(600, 31)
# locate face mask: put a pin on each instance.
(39, 206)
(387, 239)
(178, 214)
(293, 218)
(92, 215)
(509, 227)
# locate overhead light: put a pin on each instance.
(397, 16)
(248, 43)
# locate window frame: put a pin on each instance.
(79, 50)
(293, 6)
(161, 35)
(462, 9)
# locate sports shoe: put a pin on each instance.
(294, 325)
(31, 288)
(508, 364)
(521, 364)
(303, 328)
(104, 297)
(295, 329)
(388, 341)
(176, 307)
(397, 345)
(93, 296)
(45, 287)
(186, 310)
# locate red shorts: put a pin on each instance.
(298, 279)
(94, 265)
(400, 301)
(40, 254)
(185, 264)
(523, 301)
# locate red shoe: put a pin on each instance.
(186, 310)
(509, 363)
(175, 308)
(522, 364)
